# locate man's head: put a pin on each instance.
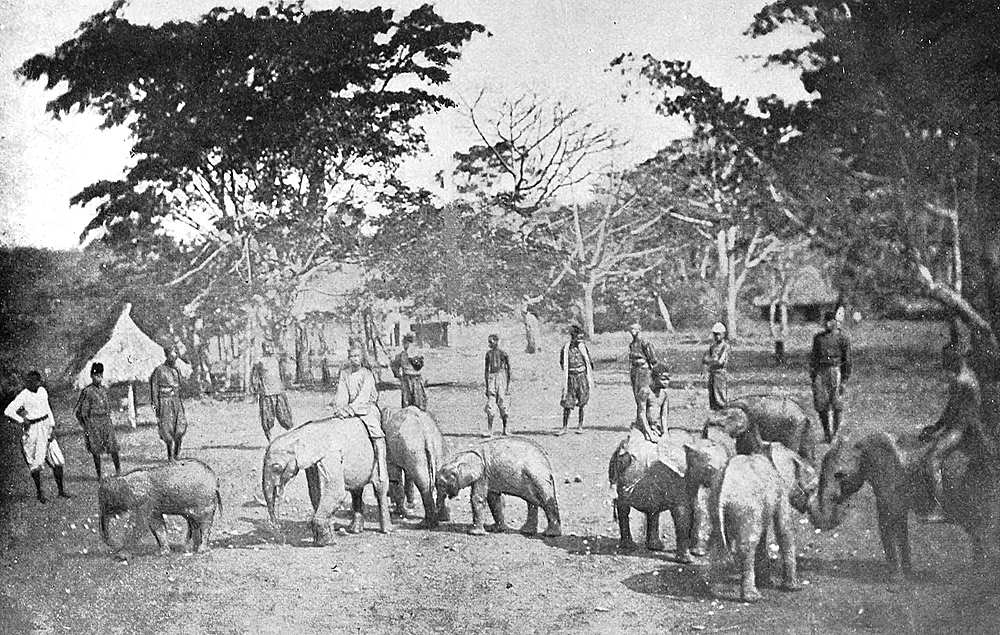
(355, 357)
(634, 329)
(97, 373)
(660, 375)
(493, 340)
(830, 320)
(408, 339)
(718, 331)
(575, 333)
(171, 354)
(266, 347)
(33, 380)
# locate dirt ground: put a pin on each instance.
(56, 575)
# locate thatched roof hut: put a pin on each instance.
(128, 355)
(809, 291)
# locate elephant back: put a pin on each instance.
(176, 487)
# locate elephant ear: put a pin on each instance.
(672, 455)
(699, 463)
(469, 469)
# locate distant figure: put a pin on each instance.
(829, 370)
(531, 328)
(265, 380)
(407, 370)
(93, 411)
(578, 377)
(165, 395)
(715, 360)
(496, 374)
(641, 358)
(778, 323)
(653, 407)
(31, 409)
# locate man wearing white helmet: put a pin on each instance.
(715, 361)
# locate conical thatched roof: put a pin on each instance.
(128, 355)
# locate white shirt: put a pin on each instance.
(35, 404)
(357, 391)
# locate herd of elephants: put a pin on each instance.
(732, 484)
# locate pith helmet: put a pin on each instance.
(719, 327)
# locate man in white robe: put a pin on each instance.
(31, 410)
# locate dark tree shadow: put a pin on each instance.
(677, 581)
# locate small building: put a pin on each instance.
(807, 292)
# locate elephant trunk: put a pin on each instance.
(271, 486)
(105, 536)
(824, 511)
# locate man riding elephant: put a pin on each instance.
(357, 396)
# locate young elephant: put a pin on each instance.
(505, 465)
(187, 488)
(655, 477)
(416, 450)
(754, 493)
(754, 418)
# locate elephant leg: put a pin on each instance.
(332, 488)
(411, 492)
(554, 524)
(202, 544)
(653, 541)
(745, 554)
(682, 532)
(762, 559)
(622, 509)
(887, 526)
(313, 485)
(177, 446)
(903, 540)
(494, 500)
(192, 533)
(785, 536)
(530, 526)
(430, 507)
(170, 450)
(476, 499)
(396, 490)
(701, 527)
(357, 512)
(158, 525)
(443, 514)
(381, 485)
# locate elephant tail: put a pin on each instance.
(431, 465)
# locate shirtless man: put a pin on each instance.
(653, 405)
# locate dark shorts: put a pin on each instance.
(577, 392)
(411, 391)
(99, 435)
(171, 421)
(639, 376)
(274, 408)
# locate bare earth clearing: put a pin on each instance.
(56, 575)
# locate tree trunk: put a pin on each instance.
(301, 354)
(132, 416)
(587, 308)
(725, 245)
(664, 313)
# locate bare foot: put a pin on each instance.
(559, 433)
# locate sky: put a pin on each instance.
(558, 49)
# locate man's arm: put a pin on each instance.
(82, 408)
(723, 359)
(486, 372)
(845, 358)
(342, 398)
(12, 408)
(257, 378)
(506, 368)
(649, 353)
(367, 396)
(153, 396)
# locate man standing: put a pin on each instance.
(653, 407)
(31, 409)
(407, 370)
(165, 394)
(531, 330)
(496, 374)
(715, 361)
(93, 411)
(357, 396)
(829, 370)
(642, 358)
(578, 377)
(265, 380)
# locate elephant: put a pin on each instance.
(767, 418)
(504, 465)
(754, 493)
(337, 455)
(187, 488)
(654, 477)
(415, 449)
(894, 467)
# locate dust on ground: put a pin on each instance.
(57, 575)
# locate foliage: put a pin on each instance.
(265, 136)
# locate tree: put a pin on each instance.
(907, 110)
(719, 181)
(266, 136)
